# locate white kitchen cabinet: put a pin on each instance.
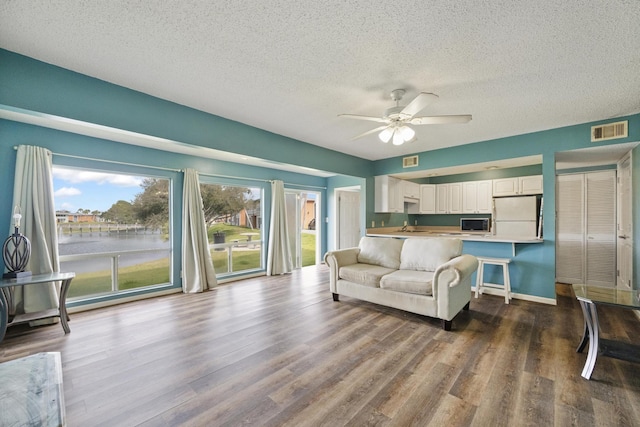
(411, 190)
(517, 186)
(427, 199)
(389, 195)
(449, 198)
(477, 196)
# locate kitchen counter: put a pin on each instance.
(443, 232)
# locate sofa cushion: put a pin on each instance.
(364, 274)
(428, 254)
(380, 251)
(409, 281)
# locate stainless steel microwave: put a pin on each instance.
(474, 224)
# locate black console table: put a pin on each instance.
(65, 278)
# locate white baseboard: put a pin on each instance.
(109, 303)
(515, 295)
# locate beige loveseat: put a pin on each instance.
(421, 275)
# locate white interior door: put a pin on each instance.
(570, 228)
(625, 225)
(348, 228)
(586, 228)
(600, 240)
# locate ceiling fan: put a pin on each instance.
(397, 119)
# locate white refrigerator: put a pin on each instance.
(515, 216)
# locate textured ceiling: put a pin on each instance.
(292, 67)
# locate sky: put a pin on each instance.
(81, 189)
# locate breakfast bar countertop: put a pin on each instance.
(427, 232)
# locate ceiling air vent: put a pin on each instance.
(409, 162)
(609, 131)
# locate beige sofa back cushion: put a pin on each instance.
(380, 251)
(428, 254)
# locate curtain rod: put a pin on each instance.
(258, 179)
(15, 147)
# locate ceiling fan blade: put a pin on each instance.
(372, 119)
(418, 104)
(369, 132)
(441, 120)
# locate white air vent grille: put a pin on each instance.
(410, 162)
(609, 131)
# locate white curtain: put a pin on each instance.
(197, 268)
(33, 192)
(279, 254)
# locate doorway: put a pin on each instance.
(303, 226)
(348, 228)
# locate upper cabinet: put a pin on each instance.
(389, 194)
(476, 196)
(449, 198)
(470, 197)
(427, 199)
(411, 190)
(517, 186)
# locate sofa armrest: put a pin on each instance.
(337, 259)
(452, 285)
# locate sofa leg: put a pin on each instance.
(446, 324)
(336, 297)
(466, 307)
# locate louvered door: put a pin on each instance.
(586, 228)
(601, 228)
(570, 229)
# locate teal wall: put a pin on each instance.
(35, 86)
(64, 143)
(534, 265)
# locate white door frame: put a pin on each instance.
(338, 216)
(624, 227)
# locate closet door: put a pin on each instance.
(586, 228)
(601, 228)
(570, 229)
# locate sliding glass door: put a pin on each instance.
(302, 224)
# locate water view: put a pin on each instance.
(100, 242)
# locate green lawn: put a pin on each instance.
(157, 272)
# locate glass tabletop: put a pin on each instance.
(36, 278)
(610, 296)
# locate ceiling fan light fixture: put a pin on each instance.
(407, 133)
(385, 135)
(398, 139)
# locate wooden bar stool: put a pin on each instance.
(480, 283)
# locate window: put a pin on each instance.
(233, 215)
(113, 230)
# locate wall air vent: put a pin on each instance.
(609, 131)
(410, 162)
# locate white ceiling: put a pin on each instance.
(292, 67)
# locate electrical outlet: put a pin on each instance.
(415, 222)
(382, 224)
(373, 224)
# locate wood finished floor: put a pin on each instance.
(277, 351)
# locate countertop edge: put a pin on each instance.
(426, 235)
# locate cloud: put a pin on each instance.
(75, 176)
(67, 207)
(67, 192)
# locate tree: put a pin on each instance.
(151, 206)
(222, 201)
(120, 212)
